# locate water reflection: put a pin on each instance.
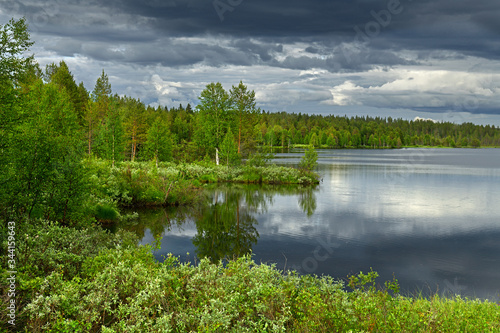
(224, 226)
(155, 223)
(227, 227)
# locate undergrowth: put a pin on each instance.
(123, 289)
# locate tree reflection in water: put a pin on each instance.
(227, 227)
(226, 222)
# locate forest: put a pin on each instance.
(122, 128)
(104, 125)
(72, 158)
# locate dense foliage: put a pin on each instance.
(283, 129)
(145, 184)
(125, 290)
(55, 134)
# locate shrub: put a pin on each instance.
(125, 290)
(47, 251)
(106, 213)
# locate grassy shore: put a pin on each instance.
(119, 287)
(87, 280)
(133, 184)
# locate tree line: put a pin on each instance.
(120, 128)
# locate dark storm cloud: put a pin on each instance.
(423, 55)
(466, 26)
(263, 50)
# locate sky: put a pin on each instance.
(433, 59)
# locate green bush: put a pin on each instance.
(208, 178)
(143, 184)
(250, 175)
(47, 249)
(310, 159)
(125, 290)
(104, 212)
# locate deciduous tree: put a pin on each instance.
(14, 42)
(214, 117)
(159, 142)
(46, 177)
(310, 159)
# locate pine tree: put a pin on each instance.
(135, 124)
(62, 77)
(97, 109)
(102, 94)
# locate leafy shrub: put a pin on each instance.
(47, 249)
(208, 178)
(125, 290)
(106, 213)
(144, 184)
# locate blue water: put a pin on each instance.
(429, 217)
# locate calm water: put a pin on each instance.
(428, 216)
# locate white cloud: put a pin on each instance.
(422, 88)
(424, 119)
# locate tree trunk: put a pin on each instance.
(134, 146)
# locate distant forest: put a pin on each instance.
(122, 128)
(135, 120)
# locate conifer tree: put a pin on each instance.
(62, 77)
(97, 109)
(135, 123)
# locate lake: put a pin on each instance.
(429, 217)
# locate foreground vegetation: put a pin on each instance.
(90, 281)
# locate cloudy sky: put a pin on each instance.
(436, 59)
